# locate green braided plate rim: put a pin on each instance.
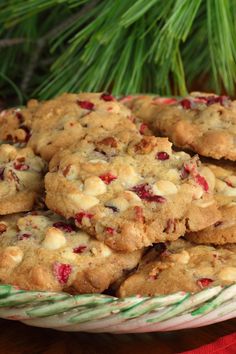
(102, 313)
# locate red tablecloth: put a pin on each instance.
(224, 345)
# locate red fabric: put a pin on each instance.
(224, 345)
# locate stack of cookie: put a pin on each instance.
(93, 199)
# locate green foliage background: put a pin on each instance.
(127, 46)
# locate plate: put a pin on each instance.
(106, 314)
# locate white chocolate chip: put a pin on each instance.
(36, 222)
(105, 251)
(7, 149)
(83, 237)
(54, 239)
(220, 186)
(94, 186)
(228, 274)
(230, 191)
(163, 187)
(204, 203)
(69, 255)
(132, 197)
(197, 192)
(128, 176)
(173, 175)
(180, 155)
(182, 257)
(71, 172)
(15, 253)
(83, 201)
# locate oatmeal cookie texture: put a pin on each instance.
(15, 123)
(182, 266)
(145, 194)
(147, 106)
(203, 123)
(222, 180)
(41, 251)
(21, 178)
(68, 118)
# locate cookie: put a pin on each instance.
(182, 266)
(65, 120)
(223, 182)
(41, 251)
(16, 123)
(145, 194)
(203, 123)
(146, 107)
(21, 178)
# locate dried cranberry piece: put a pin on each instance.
(20, 166)
(24, 236)
(184, 173)
(214, 99)
(79, 217)
(218, 223)
(2, 169)
(107, 178)
(164, 100)
(20, 117)
(27, 131)
(170, 226)
(202, 182)
(185, 103)
(126, 98)
(162, 155)
(79, 249)
(153, 277)
(62, 272)
(204, 282)
(107, 97)
(110, 230)
(229, 183)
(63, 226)
(188, 169)
(143, 128)
(144, 192)
(86, 105)
(156, 199)
(139, 214)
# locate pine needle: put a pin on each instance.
(124, 46)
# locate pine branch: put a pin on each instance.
(42, 42)
(11, 42)
(127, 46)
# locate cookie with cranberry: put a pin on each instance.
(146, 107)
(65, 120)
(145, 194)
(21, 178)
(16, 123)
(41, 251)
(182, 266)
(222, 180)
(203, 123)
